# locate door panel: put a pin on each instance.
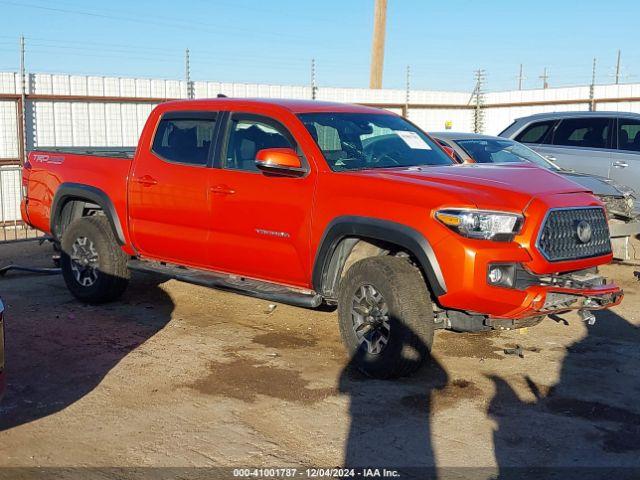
(582, 144)
(583, 160)
(625, 169)
(260, 224)
(169, 205)
(625, 160)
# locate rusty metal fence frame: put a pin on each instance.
(12, 228)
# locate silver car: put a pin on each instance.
(620, 201)
(600, 143)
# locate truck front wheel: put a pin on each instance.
(385, 316)
(93, 265)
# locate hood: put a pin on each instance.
(485, 185)
(618, 200)
(594, 183)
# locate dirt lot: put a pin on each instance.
(178, 375)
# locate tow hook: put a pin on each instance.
(587, 316)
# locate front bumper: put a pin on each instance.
(468, 289)
(544, 300)
(535, 295)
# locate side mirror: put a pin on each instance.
(280, 161)
(449, 151)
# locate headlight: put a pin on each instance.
(623, 189)
(480, 224)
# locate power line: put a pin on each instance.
(314, 86)
(521, 77)
(592, 87)
(478, 95)
(23, 100)
(187, 24)
(187, 75)
(407, 96)
(545, 79)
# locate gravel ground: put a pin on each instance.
(176, 375)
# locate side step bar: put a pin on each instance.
(232, 283)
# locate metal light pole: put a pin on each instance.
(314, 86)
(23, 101)
(187, 75)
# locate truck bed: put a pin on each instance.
(101, 169)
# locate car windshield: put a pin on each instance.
(358, 141)
(502, 151)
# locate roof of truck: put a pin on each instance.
(294, 106)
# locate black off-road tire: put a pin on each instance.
(112, 274)
(410, 316)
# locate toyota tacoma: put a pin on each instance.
(311, 203)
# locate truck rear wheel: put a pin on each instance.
(93, 265)
(386, 317)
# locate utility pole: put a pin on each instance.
(478, 96)
(520, 78)
(544, 77)
(23, 101)
(592, 87)
(314, 86)
(407, 96)
(187, 75)
(618, 69)
(377, 48)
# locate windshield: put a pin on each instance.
(502, 151)
(357, 141)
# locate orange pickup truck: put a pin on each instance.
(312, 203)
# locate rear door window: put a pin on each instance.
(586, 132)
(537, 132)
(184, 140)
(629, 134)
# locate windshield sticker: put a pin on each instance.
(413, 140)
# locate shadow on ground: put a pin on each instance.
(54, 361)
(587, 425)
(387, 417)
(589, 421)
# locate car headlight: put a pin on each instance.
(482, 224)
(624, 190)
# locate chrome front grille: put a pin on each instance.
(574, 233)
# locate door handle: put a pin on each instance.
(550, 158)
(620, 164)
(222, 190)
(146, 180)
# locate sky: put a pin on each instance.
(254, 41)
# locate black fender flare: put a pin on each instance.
(79, 191)
(375, 229)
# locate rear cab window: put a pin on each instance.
(185, 137)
